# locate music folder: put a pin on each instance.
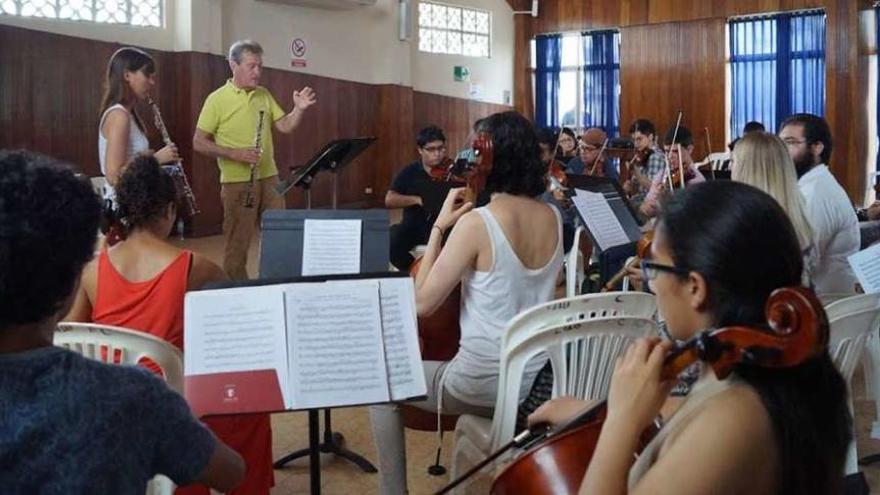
(301, 343)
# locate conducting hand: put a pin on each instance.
(304, 98)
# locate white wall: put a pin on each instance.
(355, 45)
(433, 72)
(359, 45)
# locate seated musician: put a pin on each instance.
(568, 145)
(761, 430)
(73, 425)
(419, 195)
(591, 156)
(761, 159)
(555, 193)
(647, 163)
(684, 141)
(140, 284)
(506, 256)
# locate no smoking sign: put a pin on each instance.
(298, 52)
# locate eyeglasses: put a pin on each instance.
(794, 142)
(435, 149)
(587, 147)
(650, 270)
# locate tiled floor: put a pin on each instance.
(290, 432)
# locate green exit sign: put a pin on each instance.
(461, 73)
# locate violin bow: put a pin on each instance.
(674, 137)
(598, 157)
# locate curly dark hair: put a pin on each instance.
(744, 245)
(517, 167)
(48, 226)
(144, 191)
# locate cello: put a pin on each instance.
(556, 464)
(439, 333)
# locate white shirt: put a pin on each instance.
(489, 300)
(137, 142)
(835, 231)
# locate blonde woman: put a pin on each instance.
(761, 159)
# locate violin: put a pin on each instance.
(445, 171)
(440, 332)
(643, 251)
(556, 175)
(798, 331)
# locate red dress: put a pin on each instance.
(155, 306)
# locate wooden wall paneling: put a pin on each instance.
(394, 129)
(206, 73)
(644, 70)
(51, 86)
(671, 67)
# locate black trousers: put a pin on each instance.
(402, 239)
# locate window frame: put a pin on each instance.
(57, 6)
(487, 35)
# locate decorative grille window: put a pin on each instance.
(132, 12)
(454, 30)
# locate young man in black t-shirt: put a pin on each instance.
(418, 195)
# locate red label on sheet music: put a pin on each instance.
(234, 393)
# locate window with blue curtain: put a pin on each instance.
(548, 64)
(777, 67)
(601, 81)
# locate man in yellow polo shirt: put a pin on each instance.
(227, 130)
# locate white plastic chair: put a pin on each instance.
(131, 346)
(582, 355)
(852, 321)
(575, 269)
(578, 308)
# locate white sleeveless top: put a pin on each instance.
(137, 142)
(488, 301)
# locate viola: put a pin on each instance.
(798, 331)
(643, 251)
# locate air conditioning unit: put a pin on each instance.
(327, 4)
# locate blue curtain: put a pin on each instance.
(601, 72)
(777, 68)
(548, 63)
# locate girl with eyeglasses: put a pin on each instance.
(720, 249)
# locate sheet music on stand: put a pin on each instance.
(615, 234)
(594, 198)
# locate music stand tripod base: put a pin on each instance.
(330, 444)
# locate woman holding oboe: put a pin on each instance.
(131, 75)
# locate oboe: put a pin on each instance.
(258, 144)
(176, 168)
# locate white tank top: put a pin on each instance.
(488, 302)
(137, 142)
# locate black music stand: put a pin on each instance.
(333, 156)
(281, 256)
(332, 441)
(612, 258)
